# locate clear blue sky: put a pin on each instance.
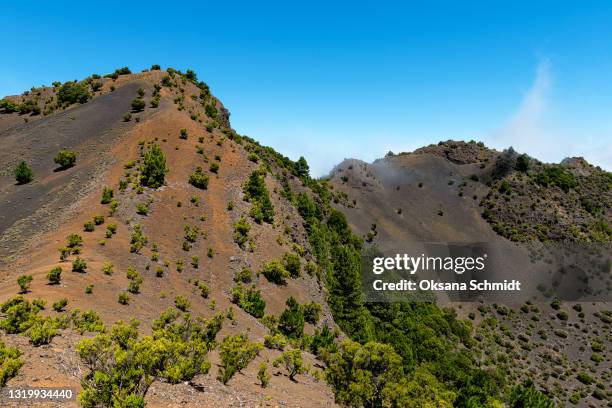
(331, 80)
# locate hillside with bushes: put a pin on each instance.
(150, 255)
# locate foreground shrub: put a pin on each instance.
(10, 363)
(23, 173)
(236, 353)
(123, 365)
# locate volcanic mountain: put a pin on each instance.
(236, 276)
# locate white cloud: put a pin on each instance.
(532, 130)
(527, 129)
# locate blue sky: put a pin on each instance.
(330, 80)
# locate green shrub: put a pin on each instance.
(65, 158)
(88, 226)
(79, 265)
(54, 276)
(23, 173)
(88, 321)
(275, 272)
(107, 195)
(135, 280)
(256, 192)
(292, 359)
(154, 168)
(107, 268)
(199, 179)
(98, 219)
(137, 105)
(214, 167)
(556, 176)
(291, 321)
(123, 365)
(525, 395)
(276, 341)
(89, 289)
(311, 312)
(123, 298)
(244, 276)
(10, 363)
(291, 263)
(236, 353)
(60, 305)
(585, 378)
(249, 300)
(142, 208)
(183, 134)
(263, 376)
(73, 92)
(241, 232)
(24, 282)
(181, 303)
(41, 332)
(74, 240)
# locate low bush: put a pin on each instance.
(292, 360)
(23, 173)
(24, 282)
(65, 158)
(137, 105)
(79, 265)
(275, 272)
(199, 179)
(60, 305)
(54, 276)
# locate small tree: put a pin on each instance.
(236, 353)
(291, 262)
(65, 158)
(181, 303)
(291, 321)
(79, 265)
(199, 179)
(275, 272)
(55, 275)
(293, 362)
(24, 282)
(138, 104)
(154, 167)
(263, 376)
(23, 173)
(107, 195)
